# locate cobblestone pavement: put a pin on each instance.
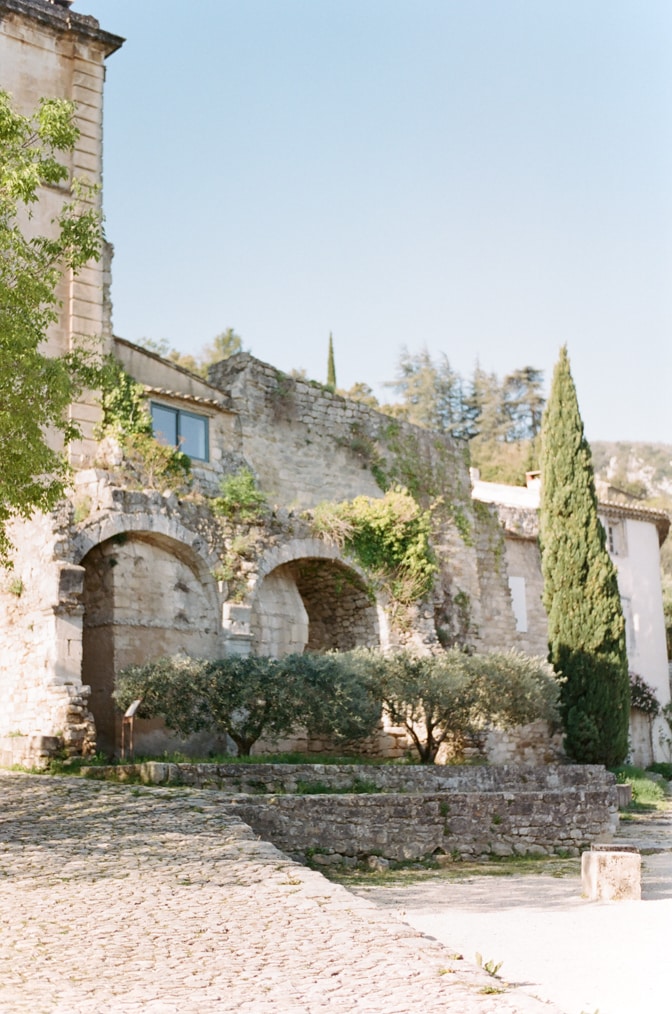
(117, 900)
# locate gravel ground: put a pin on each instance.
(611, 957)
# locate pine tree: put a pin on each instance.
(331, 365)
(586, 632)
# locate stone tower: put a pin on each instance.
(49, 51)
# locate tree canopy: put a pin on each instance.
(36, 389)
(586, 632)
(223, 345)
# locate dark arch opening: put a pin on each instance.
(145, 595)
(313, 604)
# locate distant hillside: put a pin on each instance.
(641, 470)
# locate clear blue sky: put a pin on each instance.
(489, 178)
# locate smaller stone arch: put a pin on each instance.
(308, 597)
(146, 524)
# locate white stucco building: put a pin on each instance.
(634, 537)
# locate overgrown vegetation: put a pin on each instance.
(240, 498)
(125, 417)
(642, 696)
(647, 794)
(389, 538)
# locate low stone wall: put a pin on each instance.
(345, 813)
(412, 826)
(412, 778)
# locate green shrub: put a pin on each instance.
(443, 699)
(663, 768)
(250, 697)
(388, 536)
(240, 499)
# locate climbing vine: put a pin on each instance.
(642, 696)
(389, 537)
(125, 417)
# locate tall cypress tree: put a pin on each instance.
(586, 632)
(331, 365)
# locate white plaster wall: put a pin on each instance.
(639, 582)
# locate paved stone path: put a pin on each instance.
(119, 900)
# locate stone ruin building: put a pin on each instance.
(128, 569)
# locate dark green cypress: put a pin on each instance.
(331, 366)
(586, 632)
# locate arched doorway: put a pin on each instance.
(313, 604)
(145, 595)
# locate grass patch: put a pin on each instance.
(400, 874)
(647, 794)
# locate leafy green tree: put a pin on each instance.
(432, 392)
(361, 392)
(331, 365)
(225, 344)
(446, 698)
(171, 688)
(505, 422)
(250, 697)
(335, 701)
(586, 631)
(36, 389)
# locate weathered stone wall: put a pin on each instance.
(49, 51)
(457, 811)
(458, 824)
(430, 778)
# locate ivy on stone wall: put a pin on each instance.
(388, 536)
(126, 419)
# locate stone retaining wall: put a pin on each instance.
(462, 825)
(417, 811)
(292, 778)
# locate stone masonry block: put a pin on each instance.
(609, 873)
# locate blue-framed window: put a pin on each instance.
(177, 428)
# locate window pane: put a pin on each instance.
(164, 424)
(194, 435)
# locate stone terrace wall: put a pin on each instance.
(288, 778)
(407, 826)
(418, 812)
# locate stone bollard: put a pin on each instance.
(612, 873)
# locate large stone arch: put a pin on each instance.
(146, 594)
(308, 597)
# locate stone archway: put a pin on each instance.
(313, 604)
(145, 595)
